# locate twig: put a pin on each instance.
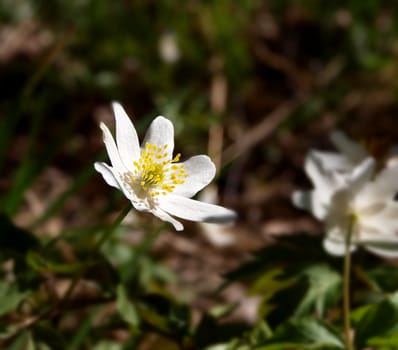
(260, 131)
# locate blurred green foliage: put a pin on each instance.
(62, 62)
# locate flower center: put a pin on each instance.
(155, 173)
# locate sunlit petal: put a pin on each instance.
(200, 170)
(166, 217)
(161, 133)
(126, 137)
(111, 149)
(107, 174)
(193, 210)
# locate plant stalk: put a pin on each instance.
(50, 312)
(346, 290)
(104, 237)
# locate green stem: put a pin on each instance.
(47, 312)
(106, 233)
(346, 291)
(104, 237)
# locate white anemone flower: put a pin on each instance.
(326, 182)
(152, 179)
(354, 201)
(350, 154)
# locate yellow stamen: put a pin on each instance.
(154, 173)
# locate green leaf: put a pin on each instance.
(126, 309)
(295, 277)
(96, 267)
(305, 333)
(389, 341)
(323, 289)
(164, 314)
(10, 297)
(270, 282)
(357, 314)
(315, 289)
(287, 251)
(222, 310)
(378, 322)
(218, 347)
(79, 337)
(22, 342)
(108, 345)
(383, 277)
(40, 263)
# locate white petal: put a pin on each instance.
(387, 249)
(361, 175)
(387, 181)
(151, 207)
(311, 201)
(160, 133)
(326, 183)
(140, 205)
(126, 137)
(111, 148)
(322, 180)
(352, 150)
(380, 240)
(114, 178)
(335, 248)
(166, 217)
(379, 192)
(369, 197)
(302, 199)
(381, 224)
(371, 209)
(193, 210)
(106, 172)
(334, 243)
(332, 161)
(201, 171)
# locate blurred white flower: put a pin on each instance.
(152, 179)
(168, 48)
(329, 171)
(348, 156)
(351, 153)
(326, 183)
(371, 206)
(347, 194)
